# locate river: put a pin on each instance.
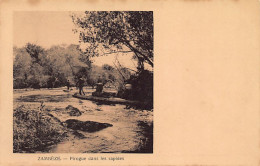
(131, 131)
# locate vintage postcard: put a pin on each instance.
(130, 82)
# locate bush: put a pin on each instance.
(34, 130)
(19, 83)
(34, 83)
(142, 87)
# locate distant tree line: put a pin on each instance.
(36, 67)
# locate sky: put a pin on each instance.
(47, 28)
(43, 28)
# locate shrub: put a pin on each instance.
(19, 83)
(142, 88)
(35, 129)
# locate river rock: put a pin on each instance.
(87, 126)
(73, 111)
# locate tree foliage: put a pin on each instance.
(107, 32)
(35, 67)
(34, 51)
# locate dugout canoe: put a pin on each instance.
(110, 100)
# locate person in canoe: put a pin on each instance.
(100, 85)
(80, 85)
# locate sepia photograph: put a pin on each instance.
(80, 85)
(83, 81)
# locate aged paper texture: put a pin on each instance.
(205, 71)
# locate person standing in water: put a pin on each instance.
(68, 84)
(80, 84)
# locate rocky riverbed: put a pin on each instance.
(92, 127)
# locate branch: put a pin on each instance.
(138, 52)
(137, 33)
(130, 69)
(116, 52)
(119, 72)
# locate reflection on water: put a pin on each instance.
(131, 131)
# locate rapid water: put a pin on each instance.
(129, 132)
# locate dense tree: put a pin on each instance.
(107, 32)
(21, 66)
(107, 67)
(36, 67)
(35, 52)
